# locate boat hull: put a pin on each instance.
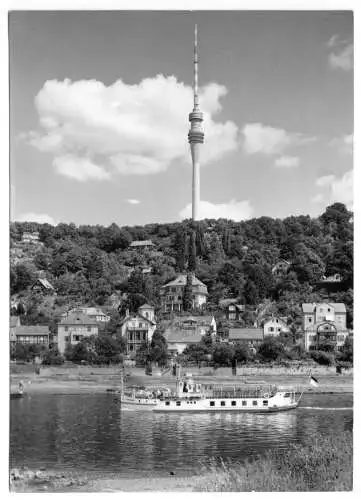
(275, 409)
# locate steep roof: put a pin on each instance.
(45, 283)
(181, 280)
(78, 319)
(32, 330)
(196, 320)
(309, 308)
(145, 306)
(245, 334)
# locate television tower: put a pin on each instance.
(195, 135)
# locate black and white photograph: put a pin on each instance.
(181, 250)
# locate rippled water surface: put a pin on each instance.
(89, 432)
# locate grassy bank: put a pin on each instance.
(73, 378)
(323, 465)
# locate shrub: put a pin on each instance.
(53, 357)
(324, 464)
(323, 358)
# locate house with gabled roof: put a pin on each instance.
(43, 285)
(275, 325)
(137, 329)
(324, 323)
(172, 294)
(74, 328)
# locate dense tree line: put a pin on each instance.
(88, 264)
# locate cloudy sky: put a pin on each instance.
(100, 102)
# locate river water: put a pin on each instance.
(90, 433)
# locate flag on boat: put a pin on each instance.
(313, 381)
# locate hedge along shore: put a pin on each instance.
(89, 379)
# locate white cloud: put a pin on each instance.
(235, 210)
(342, 59)
(133, 201)
(259, 138)
(344, 144)
(336, 189)
(80, 169)
(287, 162)
(127, 129)
(40, 218)
(325, 180)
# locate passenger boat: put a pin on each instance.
(193, 397)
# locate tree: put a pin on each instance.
(53, 357)
(347, 350)
(223, 354)
(181, 247)
(158, 348)
(25, 276)
(192, 259)
(108, 350)
(196, 353)
(242, 354)
(271, 349)
(188, 294)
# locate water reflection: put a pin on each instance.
(90, 432)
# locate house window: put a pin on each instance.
(255, 403)
(234, 403)
(223, 403)
(211, 403)
(271, 329)
(178, 403)
(278, 329)
(147, 314)
(89, 329)
(66, 328)
(66, 338)
(265, 403)
(310, 320)
(167, 403)
(244, 403)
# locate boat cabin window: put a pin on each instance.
(265, 403)
(244, 403)
(223, 403)
(211, 403)
(178, 403)
(255, 403)
(234, 403)
(167, 403)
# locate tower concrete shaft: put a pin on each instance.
(195, 135)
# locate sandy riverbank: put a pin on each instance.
(62, 482)
(85, 379)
